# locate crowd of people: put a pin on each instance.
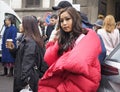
(64, 56)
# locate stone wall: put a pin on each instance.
(35, 12)
(90, 8)
(111, 7)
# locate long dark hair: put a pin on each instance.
(31, 29)
(67, 39)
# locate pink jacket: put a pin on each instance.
(77, 70)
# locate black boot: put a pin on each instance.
(5, 72)
(10, 72)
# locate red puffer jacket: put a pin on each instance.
(77, 70)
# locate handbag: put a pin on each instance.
(26, 89)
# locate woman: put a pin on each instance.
(73, 58)
(9, 33)
(109, 34)
(29, 55)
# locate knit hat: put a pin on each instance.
(99, 23)
(62, 4)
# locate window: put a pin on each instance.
(33, 3)
(102, 7)
(117, 12)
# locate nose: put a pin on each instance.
(64, 22)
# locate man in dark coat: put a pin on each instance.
(51, 26)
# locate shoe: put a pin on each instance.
(5, 72)
(10, 74)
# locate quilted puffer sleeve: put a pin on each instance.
(51, 53)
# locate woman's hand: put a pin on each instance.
(10, 46)
(54, 36)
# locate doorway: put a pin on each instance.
(117, 11)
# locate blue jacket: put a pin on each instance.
(102, 55)
(9, 33)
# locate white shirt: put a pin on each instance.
(40, 30)
(111, 40)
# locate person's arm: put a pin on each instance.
(53, 35)
(102, 55)
(14, 35)
(13, 52)
(51, 54)
(28, 60)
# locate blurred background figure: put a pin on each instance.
(118, 25)
(51, 26)
(109, 33)
(85, 21)
(100, 16)
(9, 33)
(98, 24)
(39, 23)
(19, 37)
(42, 27)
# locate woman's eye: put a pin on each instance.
(68, 18)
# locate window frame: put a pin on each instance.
(114, 53)
(32, 6)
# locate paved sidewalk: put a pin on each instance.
(6, 83)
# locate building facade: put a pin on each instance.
(90, 7)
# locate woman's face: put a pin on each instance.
(7, 22)
(66, 22)
(21, 28)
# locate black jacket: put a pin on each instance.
(49, 30)
(29, 59)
